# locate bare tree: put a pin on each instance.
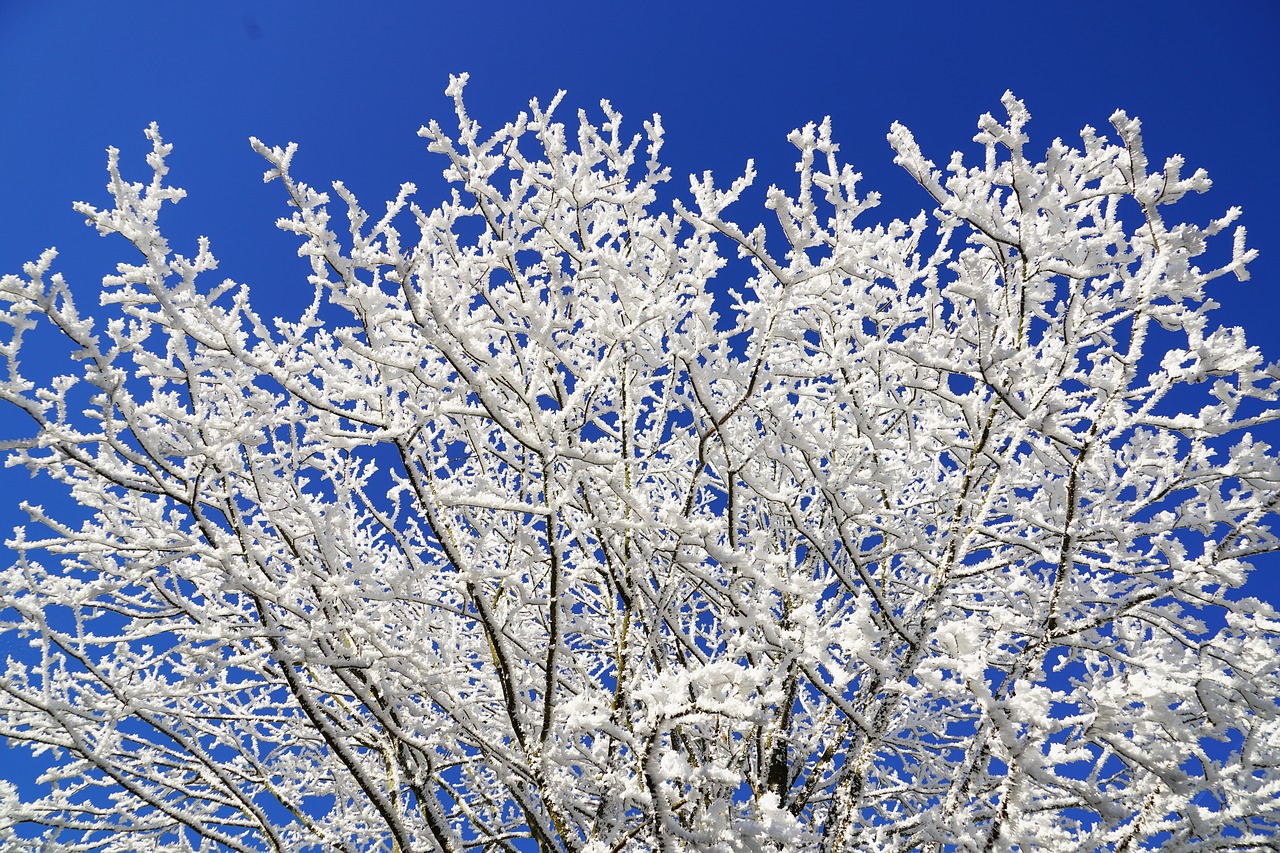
(515, 538)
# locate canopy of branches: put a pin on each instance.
(547, 524)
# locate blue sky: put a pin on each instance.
(730, 80)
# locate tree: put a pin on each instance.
(519, 537)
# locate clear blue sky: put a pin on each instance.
(730, 80)
(351, 83)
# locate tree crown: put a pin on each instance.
(516, 536)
